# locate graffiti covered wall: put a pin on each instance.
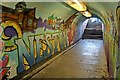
(29, 35)
(111, 43)
(108, 14)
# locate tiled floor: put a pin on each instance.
(85, 60)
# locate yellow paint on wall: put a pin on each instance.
(53, 45)
(41, 52)
(35, 48)
(18, 30)
(44, 45)
(26, 66)
(14, 25)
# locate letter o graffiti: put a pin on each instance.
(16, 26)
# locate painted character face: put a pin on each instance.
(1, 41)
(20, 8)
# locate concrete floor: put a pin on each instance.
(85, 60)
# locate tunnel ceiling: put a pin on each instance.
(102, 8)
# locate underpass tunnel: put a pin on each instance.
(56, 39)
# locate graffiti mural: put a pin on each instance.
(27, 40)
(112, 41)
(112, 26)
(71, 33)
(118, 55)
(4, 60)
(118, 23)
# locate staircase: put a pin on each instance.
(92, 33)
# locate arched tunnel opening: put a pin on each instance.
(93, 29)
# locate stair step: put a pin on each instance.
(92, 33)
(99, 32)
(92, 36)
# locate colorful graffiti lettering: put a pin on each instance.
(71, 33)
(31, 40)
(3, 67)
(4, 60)
(39, 48)
(52, 19)
(43, 24)
(1, 45)
(55, 22)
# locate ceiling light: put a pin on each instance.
(86, 14)
(80, 6)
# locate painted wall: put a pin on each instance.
(35, 33)
(55, 27)
(107, 12)
(118, 55)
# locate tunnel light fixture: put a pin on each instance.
(79, 6)
(86, 14)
